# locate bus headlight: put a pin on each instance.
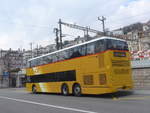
(102, 79)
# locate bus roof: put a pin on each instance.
(100, 38)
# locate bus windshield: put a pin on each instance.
(117, 44)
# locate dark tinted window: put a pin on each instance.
(100, 46)
(90, 48)
(33, 63)
(63, 55)
(116, 45)
(75, 52)
(53, 77)
(83, 50)
(29, 64)
(39, 61)
(47, 59)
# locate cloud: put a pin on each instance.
(134, 11)
(25, 21)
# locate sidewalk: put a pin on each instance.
(146, 92)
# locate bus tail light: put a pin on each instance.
(102, 79)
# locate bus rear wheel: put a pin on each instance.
(77, 90)
(34, 90)
(65, 90)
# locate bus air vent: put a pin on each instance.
(121, 71)
(88, 79)
(102, 79)
(122, 63)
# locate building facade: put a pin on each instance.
(11, 61)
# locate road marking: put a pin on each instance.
(48, 105)
(115, 98)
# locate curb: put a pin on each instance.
(146, 92)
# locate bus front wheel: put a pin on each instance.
(77, 90)
(34, 90)
(65, 90)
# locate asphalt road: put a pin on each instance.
(20, 101)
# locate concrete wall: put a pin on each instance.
(141, 78)
(4, 83)
(141, 74)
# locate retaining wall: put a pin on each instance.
(141, 74)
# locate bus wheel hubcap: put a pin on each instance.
(34, 89)
(65, 90)
(77, 90)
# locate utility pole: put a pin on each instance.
(31, 49)
(60, 33)
(37, 50)
(87, 33)
(103, 23)
(56, 30)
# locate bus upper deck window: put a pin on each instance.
(100, 46)
(29, 64)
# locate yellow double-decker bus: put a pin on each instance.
(98, 66)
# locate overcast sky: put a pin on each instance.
(26, 21)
